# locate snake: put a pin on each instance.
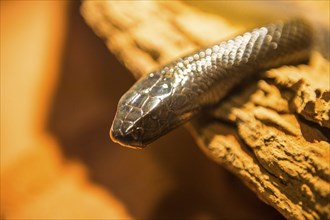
(169, 97)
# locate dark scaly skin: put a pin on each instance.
(164, 100)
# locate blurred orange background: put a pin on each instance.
(59, 91)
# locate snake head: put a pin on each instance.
(140, 119)
(136, 126)
(149, 110)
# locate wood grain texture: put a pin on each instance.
(273, 133)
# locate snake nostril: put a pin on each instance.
(137, 133)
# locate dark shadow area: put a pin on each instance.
(313, 132)
(172, 178)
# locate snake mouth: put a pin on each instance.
(126, 139)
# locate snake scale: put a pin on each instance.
(165, 99)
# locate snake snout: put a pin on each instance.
(126, 139)
(130, 137)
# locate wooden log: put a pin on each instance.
(273, 134)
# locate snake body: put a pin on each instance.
(165, 99)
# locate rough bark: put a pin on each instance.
(273, 133)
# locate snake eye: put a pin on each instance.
(137, 133)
